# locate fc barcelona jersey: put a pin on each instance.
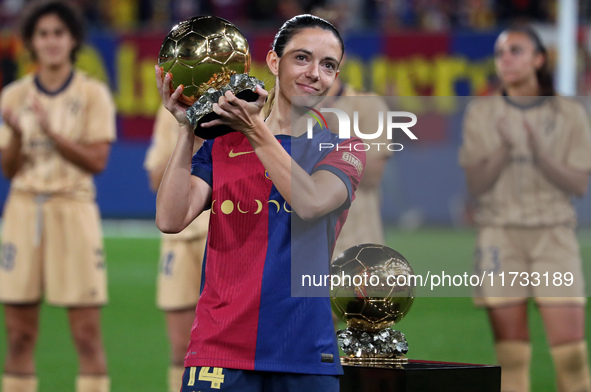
(247, 317)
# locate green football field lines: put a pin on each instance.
(444, 329)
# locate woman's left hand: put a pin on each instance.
(237, 113)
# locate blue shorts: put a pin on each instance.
(212, 379)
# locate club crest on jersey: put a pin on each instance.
(74, 105)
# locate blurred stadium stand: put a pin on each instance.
(399, 48)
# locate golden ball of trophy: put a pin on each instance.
(378, 302)
(202, 53)
(375, 290)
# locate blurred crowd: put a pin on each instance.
(430, 15)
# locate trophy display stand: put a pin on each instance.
(420, 376)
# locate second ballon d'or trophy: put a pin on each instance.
(370, 300)
(376, 290)
(208, 56)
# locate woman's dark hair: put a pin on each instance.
(68, 13)
(543, 74)
(298, 23)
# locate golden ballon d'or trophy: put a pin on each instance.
(208, 56)
(373, 288)
(370, 300)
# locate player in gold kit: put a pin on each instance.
(364, 222)
(58, 128)
(179, 272)
(525, 153)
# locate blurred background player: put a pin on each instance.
(525, 155)
(364, 222)
(58, 128)
(179, 271)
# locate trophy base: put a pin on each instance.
(373, 361)
(220, 130)
(420, 376)
(383, 344)
(241, 85)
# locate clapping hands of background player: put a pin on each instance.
(533, 139)
(13, 122)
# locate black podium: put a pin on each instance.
(421, 376)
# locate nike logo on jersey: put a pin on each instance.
(233, 154)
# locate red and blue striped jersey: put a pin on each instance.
(247, 317)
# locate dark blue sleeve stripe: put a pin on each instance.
(345, 178)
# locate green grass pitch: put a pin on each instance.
(445, 329)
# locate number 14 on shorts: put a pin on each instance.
(215, 376)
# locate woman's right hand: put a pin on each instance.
(171, 100)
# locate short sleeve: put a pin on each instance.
(579, 152)
(163, 140)
(347, 164)
(201, 165)
(100, 116)
(473, 146)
